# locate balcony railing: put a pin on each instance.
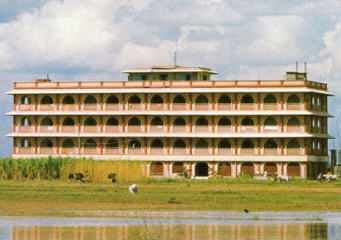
(134, 129)
(46, 107)
(26, 129)
(90, 107)
(112, 151)
(248, 151)
(90, 150)
(201, 106)
(157, 151)
(68, 107)
(69, 151)
(248, 129)
(91, 129)
(271, 151)
(295, 129)
(270, 106)
(225, 129)
(179, 106)
(112, 107)
(225, 107)
(135, 107)
(156, 106)
(25, 107)
(248, 106)
(46, 150)
(293, 106)
(25, 150)
(271, 128)
(156, 129)
(294, 151)
(201, 129)
(202, 151)
(179, 151)
(46, 128)
(69, 129)
(135, 151)
(179, 129)
(112, 129)
(225, 151)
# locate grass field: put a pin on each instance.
(53, 197)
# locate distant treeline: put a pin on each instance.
(59, 168)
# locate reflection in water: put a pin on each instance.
(190, 232)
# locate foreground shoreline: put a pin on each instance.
(71, 199)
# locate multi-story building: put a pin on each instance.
(177, 118)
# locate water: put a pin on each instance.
(213, 225)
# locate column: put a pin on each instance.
(213, 124)
(282, 101)
(145, 124)
(213, 146)
(213, 102)
(146, 101)
(101, 102)
(57, 123)
(101, 123)
(236, 101)
(101, 146)
(123, 124)
(57, 102)
(303, 170)
(190, 147)
(123, 102)
(35, 145)
(145, 146)
(190, 124)
(35, 124)
(36, 102)
(57, 145)
(168, 124)
(258, 101)
(123, 147)
(79, 102)
(168, 102)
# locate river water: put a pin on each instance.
(195, 225)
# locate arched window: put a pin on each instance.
(179, 122)
(25, 100)
(68, 122)
(25, 122)
(201, 99)
(270, 99)
(293, 122)
(134, 100)
(25, 143)
(157, 143)
(134, 122)
(201, 121)
(112, 122)
(248, 144)
(224, 99)
(270, 144)
(46, 144)
(156, 169)
(247, 122)
(46, 100)
(156, 122)
(112, 100)
(224, 121)
(68, 100)
(293, 144)
(46, 122)
(224, 144)
(90, 143)
(179, 99)
(179, 144)
(156, 100)
(111, 143)
(201, 144)
(270, 121)
(134, 144)
(90, 100)
(178, 167)
(293, 98)
(90, 122)
(68, 143)
(247, 99)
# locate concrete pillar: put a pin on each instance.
(193, 170)
(279, 168)
(239, 169)
(233, 170)
(303, 170)
(285, 167)
(261, 168)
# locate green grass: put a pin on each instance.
(52, 197)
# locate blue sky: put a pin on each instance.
(96, 40)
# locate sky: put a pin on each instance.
(96, 40)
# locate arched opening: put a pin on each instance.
(247, 169)
(247, 99)
(201, 103)
(46, 125)
(224, 147)
(68, 122)
(224, 169)
(46, 104)
(90, 100)
(179, 125)
(224, 125)
(112, 125)
(68, 147)
(68, 103)
(156, 169)
(25, 125)
(293, 169)
(178, 168)
(112, 103)
(293, 147)
(134, 103)
(179, 147)
(156, 125)
(179, 103)
(25, 147)
(112, 122)
(90, 146)
(68, 100)
(247, 125)
(293, 102)
(90, 125)
(202, 147)
(270, 124)
(156, 103)
(134, 147)
(25, 100)
(201, 125)
(270, 147)
(156, 147)
(46, 147)
(270, 102)
(293, 125)
(247, 103)
(112, 147)
(270, 168)
(247, 147)
(224, 102)
(46, 100)
(134, 125)
(201, 169)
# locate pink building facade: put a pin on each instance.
(190, 125)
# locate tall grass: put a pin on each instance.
(60, 168)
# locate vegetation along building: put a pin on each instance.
(177, 118)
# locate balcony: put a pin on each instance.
(46, 107)
(69, 151)
(90, 129)
(90, 150)
(156, 129)
(248, 129)
(270, 106)
(112, 107)
(201, 129)
(90, 107)
(134, 129)
(201, 106)
(295, 129)
(179, 106)
(156, 106)
(293, 106)
(46, 150)
(225, 129)
(157, 151)
(112, 129)
(68, 107)
(248, 106)
(271, 151)
(294, 151)
(179, 151)
(25, 129)
(25, 150)
(25, 107)
(271, 128)
(135, 151)
(224, 107)
(225, 151)
(179, 129)
(112, 151)
(248, 151)
(202, 151)
(69, 129)
(46, 128)
(135, 107)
